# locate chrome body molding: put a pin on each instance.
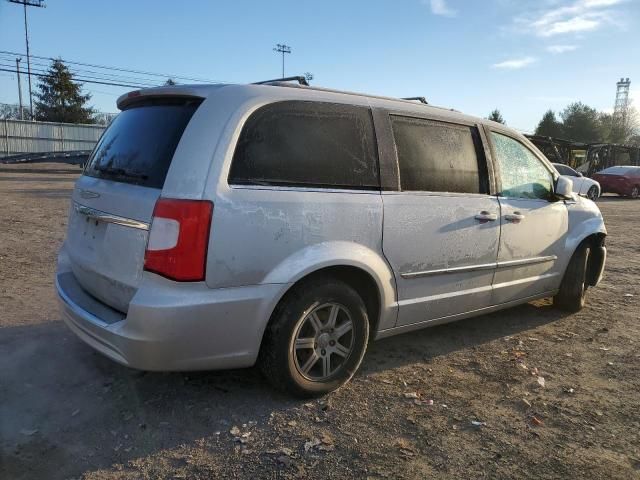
(484, 266)
(109, 218)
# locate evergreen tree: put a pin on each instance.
(496, 116)
(549, 126)
(60, 99)
(581, 123)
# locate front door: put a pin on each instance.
(533, 224)
(441, 228)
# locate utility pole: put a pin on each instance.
(25, 4)
(282, 48)
(18, 60)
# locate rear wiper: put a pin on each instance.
(123, 172)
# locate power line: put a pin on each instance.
(80, 71)
(120, 69)
(90, 73)
(83, 80)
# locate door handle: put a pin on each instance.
(515, 217)
(484, 217)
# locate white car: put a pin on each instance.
(582, 185)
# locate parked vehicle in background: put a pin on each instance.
(623, 180)
(581, 185)
(283, 225)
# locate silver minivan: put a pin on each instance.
(287, 226)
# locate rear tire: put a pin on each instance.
(635, 192)
(303, 353)
(573, 289)
(592, 193)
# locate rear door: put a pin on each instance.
(113, 201)
(533, 224)
(441, 227)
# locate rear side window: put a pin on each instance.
(307, 144)
(437, 157)
(139, 144)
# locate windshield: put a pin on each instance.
(139, 144)
(618, 170)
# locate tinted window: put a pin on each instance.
(307, 144)
(522, 174)
(436, 157)
(139, 144)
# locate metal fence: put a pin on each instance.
(23, 136)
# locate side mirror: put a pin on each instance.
(580, 174)
(564, 188)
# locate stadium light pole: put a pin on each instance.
(25, 4)
(282, 48)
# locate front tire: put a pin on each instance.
(573, 289)
(635, 192)
(592, 193)
(316, 338)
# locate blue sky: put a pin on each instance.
(521, 56)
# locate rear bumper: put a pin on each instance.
(173, 326)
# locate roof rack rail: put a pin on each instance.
(420, 99)
(299, 78)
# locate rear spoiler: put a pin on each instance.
(184, 91)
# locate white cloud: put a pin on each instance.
(515, 63)
(440, 7)
(576, 24)
(574, 17)
(561, 48)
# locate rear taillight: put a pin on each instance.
(178, 239)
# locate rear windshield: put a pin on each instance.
(139, 144)
(620, 170)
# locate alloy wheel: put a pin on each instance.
(323, 341)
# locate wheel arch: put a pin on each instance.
(595, 265)
(361, 267)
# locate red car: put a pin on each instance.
(623, 180)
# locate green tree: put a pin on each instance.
(60, 99)
(581, 123)
(619, 128)
(549, 126)
(496, 116)
(612, 129)
(10, 112)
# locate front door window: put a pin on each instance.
(522, 174)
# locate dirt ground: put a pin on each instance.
(67, 412)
